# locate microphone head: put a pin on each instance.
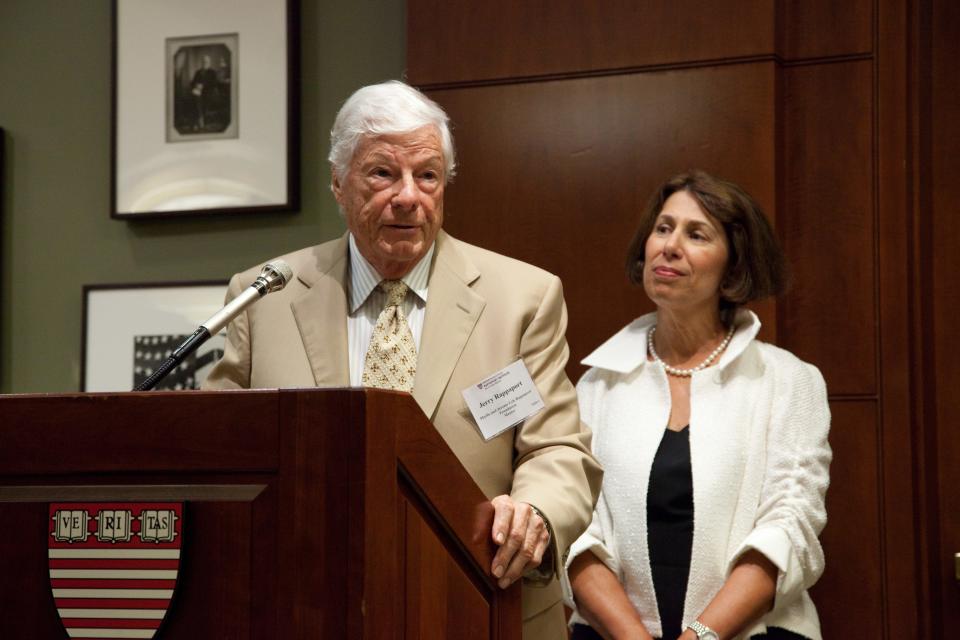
(277, 274)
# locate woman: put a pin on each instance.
(714, 444)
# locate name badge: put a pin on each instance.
(502, 400)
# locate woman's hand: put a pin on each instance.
(602, 602)
(747, 594)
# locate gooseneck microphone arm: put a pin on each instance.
(273, 277)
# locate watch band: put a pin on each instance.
(703, 631)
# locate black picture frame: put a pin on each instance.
(205, 115)
(118, 317)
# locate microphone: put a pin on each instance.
(273, 277)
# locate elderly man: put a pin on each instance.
(397, 303)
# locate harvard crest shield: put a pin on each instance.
(114, 566)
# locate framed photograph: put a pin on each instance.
(205, 107)
(129, 329)
(201, 94)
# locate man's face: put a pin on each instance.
(392, 198)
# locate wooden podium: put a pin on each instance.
(308, 513)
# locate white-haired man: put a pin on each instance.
(396, 286)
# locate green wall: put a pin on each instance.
(57, 234)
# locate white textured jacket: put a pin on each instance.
(760, 458)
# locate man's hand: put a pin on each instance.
(522, 536)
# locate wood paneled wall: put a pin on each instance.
(555, 172)
(568, 114)
(938, 278)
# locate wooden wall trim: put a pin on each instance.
(596, 73)
(855, 397)
(650, 68)
(809, 28)
(938, 264)
(895, 130)
(803, 62)
(921, 339)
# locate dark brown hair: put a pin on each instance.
(756, 267)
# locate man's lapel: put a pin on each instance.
(453, 309)
(321, 316)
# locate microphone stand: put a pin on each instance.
(188, 346)
(273, 277)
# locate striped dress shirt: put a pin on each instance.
(367, 301)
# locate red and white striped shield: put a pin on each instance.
(113, 566)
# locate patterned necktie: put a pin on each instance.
(391, 361)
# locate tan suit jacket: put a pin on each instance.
(483, 312)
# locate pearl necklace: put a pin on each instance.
(686, 373)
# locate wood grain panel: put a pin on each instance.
(324, 590)
(821, 28)
(849, 596)
(214, 592)
(555, 173)
(899, 418)
(939, 270)
(214, 604)
(153, 436)
(28, 609)
(452, 42)
(826, 222)
(444, 522)
(442, 601)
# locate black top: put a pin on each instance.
(670, 526)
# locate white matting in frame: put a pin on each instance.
(202, 107)
(130, 329)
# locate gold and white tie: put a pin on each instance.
(391, 361)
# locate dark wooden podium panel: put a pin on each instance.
(224, 575)
(443, 602)
(306, 516)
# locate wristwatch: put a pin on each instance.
(703, 631)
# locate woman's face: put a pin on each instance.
(685, 257)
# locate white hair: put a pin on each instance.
(387, 108)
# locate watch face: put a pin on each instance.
(703, 631)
